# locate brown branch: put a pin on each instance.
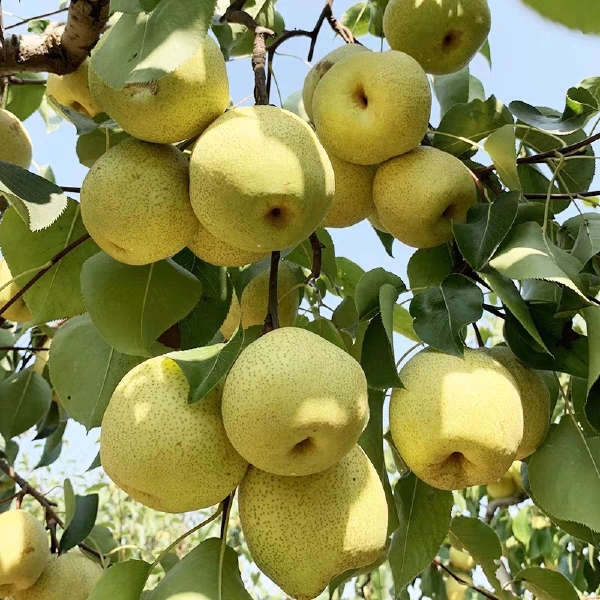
(562, 196)
(272, 320)
(73, 190)
(317, 248)
(464, 582)
(55, 259)
(495, 311)
(259, 62)
(23, 349)
(37, 18)
(480, 341)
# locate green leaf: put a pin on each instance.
(348, 276)
(123, 581)
(428, 267)
(91, 146)
(441, 314)
(500, 145)
(547, 584)
(24, 100)
(85, 370)
(327, 330)
(58, 292)
(69, 498)
(84, 517)
(377, 357)
(126, 6)
(303, 255)
(132, 306)
(587, 243)
(521, 526)
(25, 398)
(591, 409)
(576, 14)
(205, 367)
(387, 240)
(452, 89)
(425, 516)
(357, 18)
(101, 538)
(367, 290)
(197, 574)
(144, 47)
(38, 201)
(52, 446)
(403, 323)
(487, 225)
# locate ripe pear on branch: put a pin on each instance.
(16, 146)
(18, 312)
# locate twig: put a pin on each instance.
(50, 14)
(533, 196)
(494, 505)
(23, 349)
(70, 189)
(495, 311)
(272, 320)
(317, 248)
(259, 62)
(464, 582)
(480, 341)
(14, 80)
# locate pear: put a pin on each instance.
(255, 298)
(461, 560)
(303, 531)
(135, 202)
(163, 451)
(535, 399)
(458, 422)
(16, 144)
(217, 252)
(505, 487)
(376, 222)
(371, 106)
(456, 590)
(353, 199)
(18, 312)
(419, 194)
(442, 35)
(71, 576)
(293, 403)
(178, 106)
(515, 473)
(320, 68)
(24, 551)
(260, 180)
(41, 357)
(73, 91)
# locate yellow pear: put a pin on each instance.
(163, 451)
(304, 531)
(217, 252)
(461, 560)
(353, 199)
(177, 106)
(458, 422)
(24, 551)
(419, 194)
(535, 400)
(503, 488)
(376, 222)
(260, 180)
(71, 576)
(371, 106)
(293, 403)
(16, 145)
(73, 91)
(135, 202)
(255, 298)
(320, 68)
(18, 312)
(41, 357)
(515, 473)
(442, 35)
(456, 590)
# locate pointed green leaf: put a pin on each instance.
(500, 145)
(327, 330)
(84, 517)
(123, 581)
(452, 89)
(587, 243)
(403, 323)
(348, 276)
(547, 584)
(387, 240)
(357, 18)
(577, 14)
(52, 446)
(91, 146)
(428, 267)
(368, 287)
(377, 357)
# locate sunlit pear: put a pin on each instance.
(135, 202)
(18, 312)
(264, 200)
(353, 199)
(461, 560)
(304, 531)
(178, 106)
(255, 299)
(294, 403)
(294, 103)
(16, 144)
(372, 106)
(456, 590)
(442, 35)
(24, 551)
(505, 487)
(163, 451)
(41, 357)
(535, 399)
(320, 68)
(458, 422)
(515, 473)
(217, 252)
(73, 91)
(376, 222)
(71, 576)
(419, 194)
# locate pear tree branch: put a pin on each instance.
(440, 565)
(37, 18)
(272, 320)
(317, 248)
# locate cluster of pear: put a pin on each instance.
(29, 572)
(462, 564)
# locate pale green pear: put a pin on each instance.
(456, 590)
(372, 106)
(294, 103)
(178, 106)
(503, 488)
(419, 194)
(24, 551)
(461, 560)
(16, 144)
(73, 91)
(376, 222)
(442, 35)
(260, 179)
(294, 403)
(163, 451)
(304, 531)
(135, 202)
(458, 422)
(18, 312)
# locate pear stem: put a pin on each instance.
(272, 320)
(317, 248)
(464, 582)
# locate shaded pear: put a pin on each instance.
(18, 312)
(505, 487)
(376, 222)
(73, 91)
(456, 590)
(461, 560)
(16, 144)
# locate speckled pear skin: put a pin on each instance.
(320, 68)
(164, 452)
(18, 312)
(24, 551)
(293, 403)
(458, 422)
(304, 531)
(73, 91)
(135, 202)
(260, 179)
(178, 106)
(535, 400)
(371, 106)
(71, 576)
(16, 146)
(419, 194)
(442, 35)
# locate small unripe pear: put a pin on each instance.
(18, 312)
(16, 144)
(505, 487)
(461, 560)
